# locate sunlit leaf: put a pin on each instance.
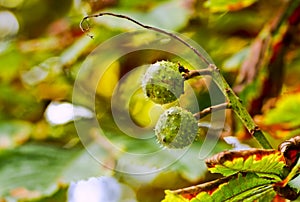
(285, 112)
(144, 112)
(282, 121)
(170, 197)
(230, 5)
(109, 80)
(263, 162)
(239, 187)
(10, 64)
(10, 4)
(243, 187)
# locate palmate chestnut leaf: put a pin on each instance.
(265, 162)
(239, 187)
(250, 175)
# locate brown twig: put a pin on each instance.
(210, 109)
(195, 73)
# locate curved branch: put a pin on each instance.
(146, 27)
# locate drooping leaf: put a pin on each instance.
(263, 162)
(239, 187)
(291, 150)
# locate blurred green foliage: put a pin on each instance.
(42, 49)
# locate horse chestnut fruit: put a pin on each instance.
(163, 83)
(176, 128)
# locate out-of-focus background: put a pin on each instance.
(254, 43)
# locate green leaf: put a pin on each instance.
(170, 15)
(203, 196)
(243, 187)
(14, 133)
(289, 188)
(232, 63)
(240, 187)
(286, 111)
(229, 5)
(22, 105)
(295, 183)
(31, 167)
(268, 163)
(170, 197)
(177, 161)
(40, 170)
(10, 63)
(137, 4)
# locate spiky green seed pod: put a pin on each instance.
(163, 83)
(176, 128)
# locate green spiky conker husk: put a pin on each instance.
(163, 83)
(176, 128)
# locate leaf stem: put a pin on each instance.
(237, 106)
(199, 72)
(208, 110)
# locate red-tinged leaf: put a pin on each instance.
(290, 150)
(263, 162)
(286, 112)
(239, 187)
(277, 130)
(208, 187)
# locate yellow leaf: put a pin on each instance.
(109, 80)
